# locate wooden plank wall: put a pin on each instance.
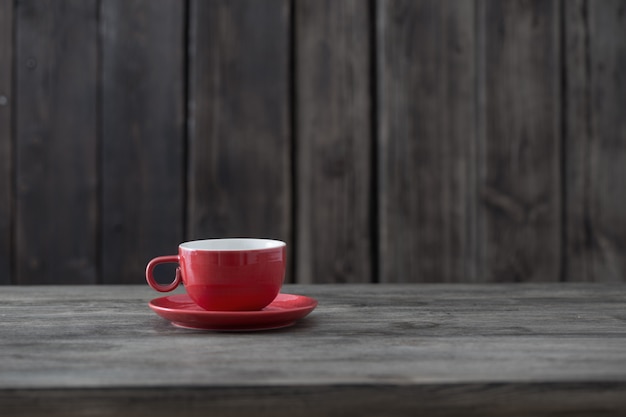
(333, 140)
(239, 124)
(385, 141)
(595, 132)
(6, 142)
(142, 133)
(56, 142)
(427, 141)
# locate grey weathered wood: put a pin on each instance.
(484, 400)
(334, 134)
(505, 350)
(6, 139)
(577, 110)
(142, 135)
(595, 99)
(519, 139)
(499, 154)
(56, 132)
(427, 178)
(239, 133)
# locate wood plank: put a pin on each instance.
(577, 109)
(142, 135)
(427, 203)
(239, 132)
(595, 99)
(334, 134)
(56, 119)
(99, 337)
(519, 140)
(484, 400)
(6, 139)
(528, 349)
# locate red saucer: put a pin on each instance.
(284, 311)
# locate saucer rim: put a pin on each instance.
(311, 304)
(243, 329)
(233, 321)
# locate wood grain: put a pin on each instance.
(239, 133)
(334, 134)
(527, 349)
(488, 400)
(596, 140)
(384, 140)
(143, 145)
(427, 161)
(6, 139)
(56, 132)
(519, 140)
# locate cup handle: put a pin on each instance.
(170, 259)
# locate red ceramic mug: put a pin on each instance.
(226, 274)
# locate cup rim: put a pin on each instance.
(238, 244)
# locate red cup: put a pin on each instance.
(226, 274)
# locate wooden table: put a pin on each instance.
(378, 350)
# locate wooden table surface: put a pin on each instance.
(379, 350)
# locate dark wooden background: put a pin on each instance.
(385, 141)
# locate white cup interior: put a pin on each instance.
(233, 244)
